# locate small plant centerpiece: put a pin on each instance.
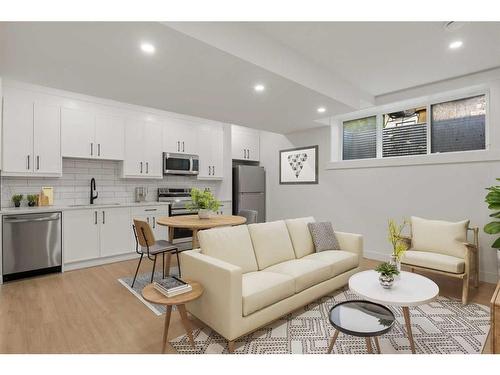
(387, 273)
(493, 201)
(204, 202)
(399, 246)
(32, 198)
(17, 198)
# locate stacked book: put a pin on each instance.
(172, 286)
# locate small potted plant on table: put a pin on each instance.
(32, 198)
(387, 273)
(204, 202)
(17, 198)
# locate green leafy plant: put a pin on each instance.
(17, 198)
(493, 200)
(387, 269)
(32, 198)
(398, 245)
(204, 200)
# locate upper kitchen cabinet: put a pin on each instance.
(245, 143)
(92, 136)
(143, 150)
(180, 136)
(211, 152)
(31, 137)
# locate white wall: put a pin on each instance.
(362, 200)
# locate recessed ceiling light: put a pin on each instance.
(148, 48)
(321, 110)
(259, 87)
(456, 44)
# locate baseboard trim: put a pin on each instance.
(99, 261)
(489, 277)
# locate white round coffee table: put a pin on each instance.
(409, 289)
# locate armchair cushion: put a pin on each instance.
(438, 236)
(261, 289)
(301, 236)
(271, 242)
(230, 244)
(305, 272)
(434, 261)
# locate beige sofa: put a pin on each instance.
(254, 274)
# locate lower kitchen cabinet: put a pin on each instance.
(80, 235)
(95, 233)
(151, 215)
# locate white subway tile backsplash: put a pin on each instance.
(74, 185)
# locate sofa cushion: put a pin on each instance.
(323, 236)
(230, 244)
(339, 261)
(305, 272)
(438, 236)
(301, 236)
(434, 261)
(271, 242)
(261, 289)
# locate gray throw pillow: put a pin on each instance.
(323, 236)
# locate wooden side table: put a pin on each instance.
(150, 294)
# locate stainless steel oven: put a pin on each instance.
(180, 164)
(178, 198)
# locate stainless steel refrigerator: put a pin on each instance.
(249, 190)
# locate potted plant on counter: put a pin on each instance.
(493, 201)
(387, 273)
(32, 198)
(204, 202)
(17, 198)
(399, 246)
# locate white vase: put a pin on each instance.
(203, 213)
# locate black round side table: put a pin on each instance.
(361, 319)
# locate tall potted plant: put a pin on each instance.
(493, 201)
(398, 245)
(204, 202)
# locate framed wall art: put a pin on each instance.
(299, 165)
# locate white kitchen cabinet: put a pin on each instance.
(180, 136)
(80, 235)
(31, 137)
(151, 214)
(143, 150)
(78, 131)
(115, 227)
(245, 143)
(96, 233)
(92, 136)
(110, 137)
(211, 152)
(226, 208)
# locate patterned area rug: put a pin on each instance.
(443, 326)
(142, 280)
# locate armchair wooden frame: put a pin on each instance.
(471, 264)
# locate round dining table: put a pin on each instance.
(195, 224)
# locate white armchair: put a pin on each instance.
(442, 247)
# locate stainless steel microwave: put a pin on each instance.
(184, 164)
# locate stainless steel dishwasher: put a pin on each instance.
(31, 245)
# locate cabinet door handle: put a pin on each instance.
(150, 209)
(98, 149)
(141, 166)
(209, 170)
(103, 217)
(213, 170)
(95, 217)
(147, 167)
(183, 146)
(178, 146)
(248, 152)
(91, 149)
(38, 162)
(147, 219)
(28, 159)
(154, 222)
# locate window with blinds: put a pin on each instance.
(360, 138)
(405, 133)
(459, 125)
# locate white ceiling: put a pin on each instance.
(209, 69)
(381, 57)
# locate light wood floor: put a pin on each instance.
(88, 311)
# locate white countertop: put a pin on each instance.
(40, 209)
